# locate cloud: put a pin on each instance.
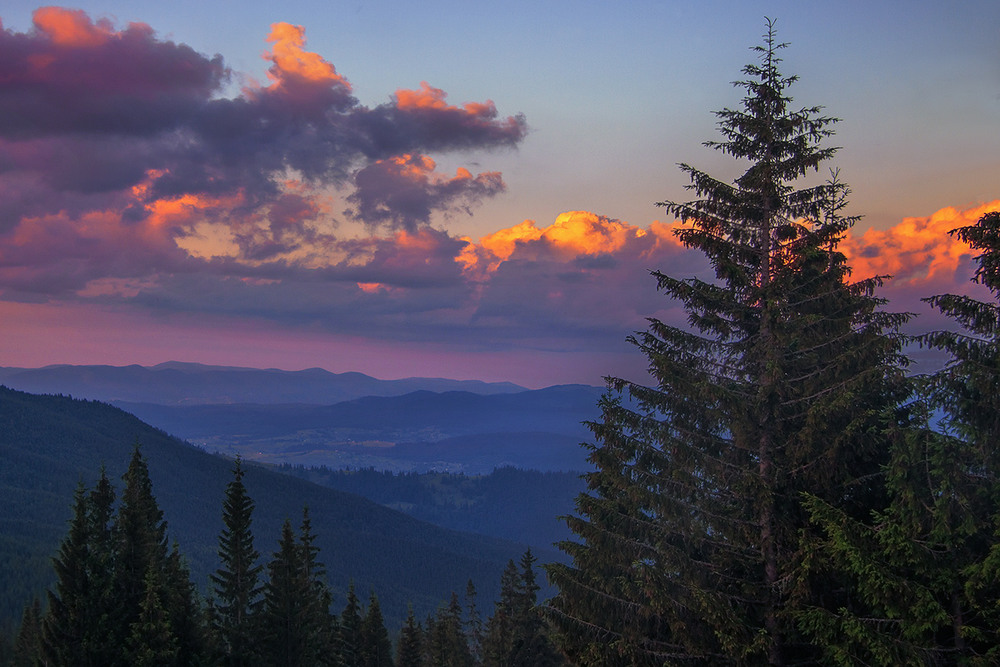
(120, 159)
(130, 102)
(917, 250)
(403, 191)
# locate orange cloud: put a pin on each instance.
(292, 61)
(573, 234)
(429, 97)
(917, 249)
(71, 27)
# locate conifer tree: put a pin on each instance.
(376, 649)
(317, 621)
(29, 643)
(152, 642)
(410, 649)
(473, 623)
(926, 569)
(498, 643)
(284, 636)
(183, 609)
(237, 581)
(448, 644)
(140, 546)
(102, 576)
(350, 628)
(693, 534)
(67, 622)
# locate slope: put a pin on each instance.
(49, 443)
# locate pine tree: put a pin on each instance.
(140, 546)
(350, 629)
(317, 621)
(473, 623)
(284, 637)
(449, 646)
(103, 605)
(498, 643)
(29, 643)
(376, 649)
(531, 644)
(926, 569)
(183, 609)
(694, 541)
(410, 649)
(152, 642)
(237, 581)
(79, 625)
(67, 622)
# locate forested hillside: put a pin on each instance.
(520, 505)
(51, 443)
(420, 431)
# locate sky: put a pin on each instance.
(446, 189)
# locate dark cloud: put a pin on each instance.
(402, 192)
(87, 108)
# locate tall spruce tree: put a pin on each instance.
(140, 545)
(237, 581)
(693, 535)
(925, 570)
(284, 638)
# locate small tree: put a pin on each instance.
(376, 649)
(410, 649)
(237, 581)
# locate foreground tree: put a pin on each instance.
(926, 571)
(237, 581)
(694, 541)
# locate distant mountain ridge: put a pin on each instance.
(181, 383)
(452, 431)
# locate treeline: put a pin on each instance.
(124, 596)
(504, 503)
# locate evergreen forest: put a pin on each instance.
(780, 490)
(124, 596)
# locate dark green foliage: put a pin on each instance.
(99, 612)
(350, 629)
(410, 648)
(694, 542)
(295, 619)
(28, 645)
(376, 649)
(152, 641)
(72, 604)
(473, 623)
(517, 634)
(447, 642)
(237, 581)
(926, 569)
(285, 638)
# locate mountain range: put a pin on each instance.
(180, 383)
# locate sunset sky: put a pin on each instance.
(451, 189)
